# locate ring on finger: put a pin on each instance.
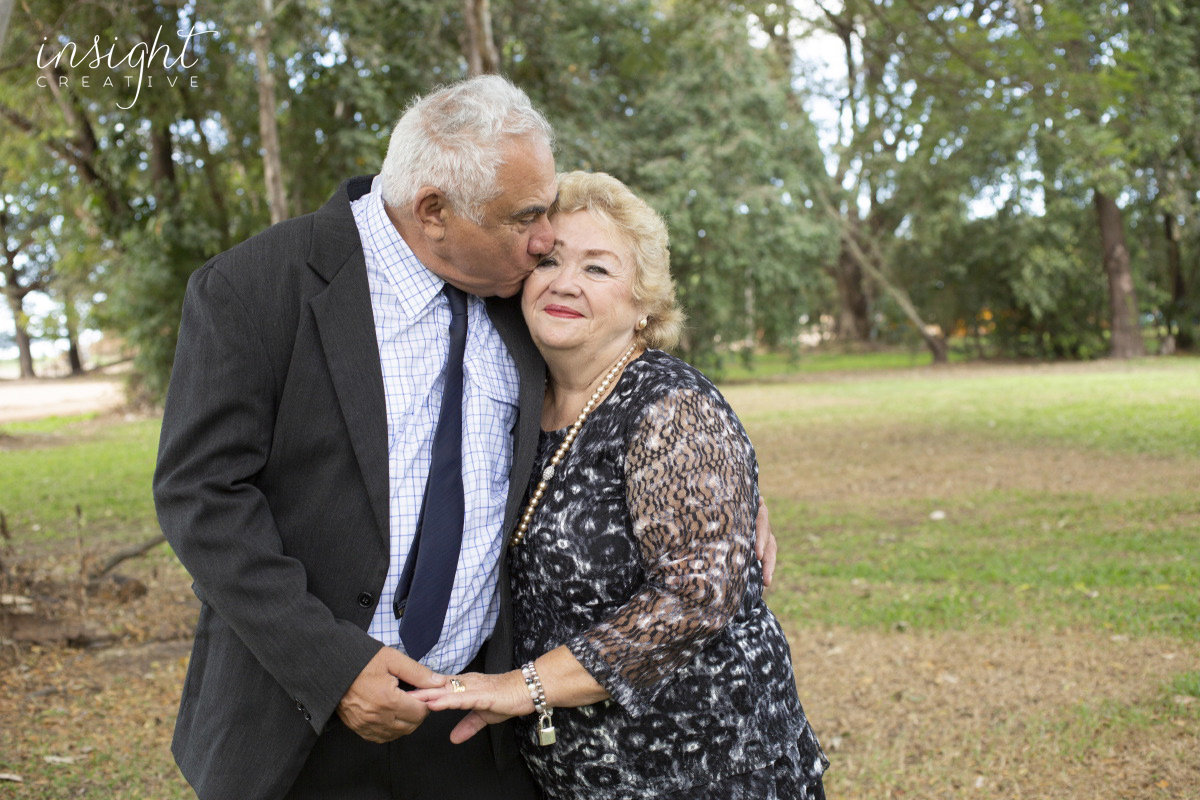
(458, 685)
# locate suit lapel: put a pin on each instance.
(346, 326)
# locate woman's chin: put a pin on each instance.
(551, 340)
(557, 348)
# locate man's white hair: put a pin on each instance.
(454, 140)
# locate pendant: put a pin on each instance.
(545, 731)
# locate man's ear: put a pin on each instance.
(431, 209)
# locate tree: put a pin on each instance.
(479, 44)
(164, 185)
(27, 255)
(267, 128)
(675, 101)
(1085, 109)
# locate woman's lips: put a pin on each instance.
(562, 312)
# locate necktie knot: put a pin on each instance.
(457, 298)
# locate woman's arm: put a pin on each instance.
(692, 497)
(495, 698)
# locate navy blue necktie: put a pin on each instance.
(424, 589)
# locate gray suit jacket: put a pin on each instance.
(272, 487)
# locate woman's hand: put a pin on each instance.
(491, 699)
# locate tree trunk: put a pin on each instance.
(268, 130)
(1123, 308)
(482, 56)
(212, 179)
(14, 293)
(1178, 323)
(854, 314)
(25, 351)
(16, 307)
(749, 311)
(6, 7)
(162, 162)
(935, 341)
(74, 356)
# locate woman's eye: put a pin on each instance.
(596, 269)
(547, 262)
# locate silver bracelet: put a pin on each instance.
(545, 725)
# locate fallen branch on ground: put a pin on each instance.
(126, 553)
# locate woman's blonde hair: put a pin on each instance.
(645, 232)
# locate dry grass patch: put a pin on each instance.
(884, 462)
(996, 714)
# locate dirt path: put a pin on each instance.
(22, 400)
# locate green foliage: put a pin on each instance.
(733, 159)
(1025, 283)
(972, 140)
(731, 165)
(974, 136)
(681, 107)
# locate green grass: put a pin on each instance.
(64, 462)
(1091, 726)
(49, 425)
(1127, 567)
(732, 367)
(1144, 407)
(1037, 557)
(1051, 557)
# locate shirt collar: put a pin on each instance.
(415, 286)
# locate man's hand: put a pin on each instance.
(765, 546)
(376, 708)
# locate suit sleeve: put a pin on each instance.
(216, 438)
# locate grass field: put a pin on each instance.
(988, 575)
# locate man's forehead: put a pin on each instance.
(527, 184)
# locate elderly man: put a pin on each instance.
(347, 436)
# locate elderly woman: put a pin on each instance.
(653, 668)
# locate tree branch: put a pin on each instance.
(126, 553)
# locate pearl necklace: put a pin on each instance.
(548, 473)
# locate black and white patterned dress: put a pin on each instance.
(640, 558)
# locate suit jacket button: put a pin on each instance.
(365, 599)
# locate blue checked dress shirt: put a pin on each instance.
(412, 317)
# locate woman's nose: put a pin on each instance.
(565, 281)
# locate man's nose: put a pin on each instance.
(541, 238)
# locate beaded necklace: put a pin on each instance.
(548, 473)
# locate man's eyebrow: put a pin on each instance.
(530, 211)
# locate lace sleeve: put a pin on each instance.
(690, 488)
